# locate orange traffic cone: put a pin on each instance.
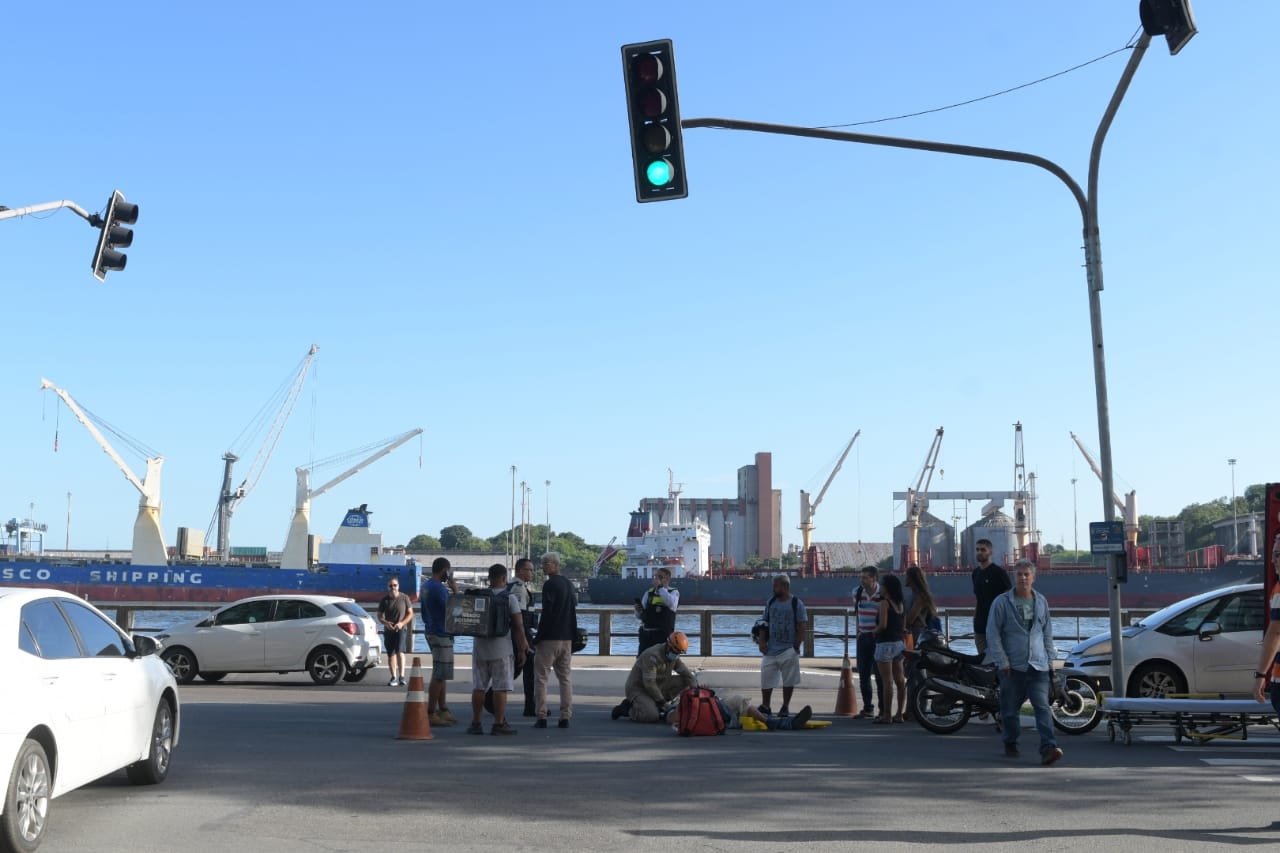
(846, 696)
(414, 724)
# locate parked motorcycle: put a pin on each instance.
(945, 688)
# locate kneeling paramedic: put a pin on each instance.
(657, 677)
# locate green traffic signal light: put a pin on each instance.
(659, 173)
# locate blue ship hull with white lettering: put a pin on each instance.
(101, 581)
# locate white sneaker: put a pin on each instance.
(393, 682)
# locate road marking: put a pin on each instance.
(1271, 779)
(1242, 762)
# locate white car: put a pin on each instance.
(82, 700)
(330, 638)
(1208, 643)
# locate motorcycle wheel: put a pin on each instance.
(937, 713)
(1076, 709)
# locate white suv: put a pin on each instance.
(330, 638)
(1208, 643)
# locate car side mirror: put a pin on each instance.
(205, 623)
(145, 645)
(1208, 629)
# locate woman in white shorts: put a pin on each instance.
(889, 648)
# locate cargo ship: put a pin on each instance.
(354, 565)
(683, 546)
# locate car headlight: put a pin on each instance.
(1093, 648)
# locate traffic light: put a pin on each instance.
(119, 213)
(653, 113)
(1169, 18)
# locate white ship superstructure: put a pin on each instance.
(682, 547)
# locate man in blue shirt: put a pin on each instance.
(1020, 644)
(787, 618)
(435, 597)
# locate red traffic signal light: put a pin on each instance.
(114, 235)
(653, 113)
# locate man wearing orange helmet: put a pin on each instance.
(657, 677)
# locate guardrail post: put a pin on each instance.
(124, 618)
(704, 634)
(606, 633)
(808, 637)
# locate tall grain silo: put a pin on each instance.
(935, 542)
(997, 527)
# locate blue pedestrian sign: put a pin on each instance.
(1106, 537)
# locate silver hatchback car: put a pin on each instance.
(1208, 643)
(332, 639)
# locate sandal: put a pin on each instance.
(898, 719)
(884, 721)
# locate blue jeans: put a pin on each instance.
(867, 669)
(1017, 687)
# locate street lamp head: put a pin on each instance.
(1169, 18)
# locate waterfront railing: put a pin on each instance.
(956, 621)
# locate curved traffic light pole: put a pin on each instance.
(1088, 204)
(14, 213)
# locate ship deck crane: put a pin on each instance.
(229, 498)
(917, 498)
(808, 508)
(148, 538)
(1128, 505)
(296, 554)
(1019, 491)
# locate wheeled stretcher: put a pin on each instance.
(1196, 720)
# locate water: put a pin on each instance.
(731, 632)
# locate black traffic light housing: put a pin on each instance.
(1169, 18)
(113, 235)
(653, 115)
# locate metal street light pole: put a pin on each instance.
(1235, 521)
(1088, 204)
(548, 516)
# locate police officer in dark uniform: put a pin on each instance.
(521, 592)
(657, 610)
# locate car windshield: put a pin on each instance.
(1164, 614)
(351, 608)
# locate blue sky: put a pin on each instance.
(440, 197)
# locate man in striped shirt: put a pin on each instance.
(866, 600)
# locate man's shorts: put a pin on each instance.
(498, 675)
(441, 657)
(780, 670)
(394, 640)
(886, 652)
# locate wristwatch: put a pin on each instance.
(1260, 675)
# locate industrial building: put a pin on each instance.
(749, 525)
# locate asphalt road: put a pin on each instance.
(275, 764)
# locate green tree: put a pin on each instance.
(456, 537)
(424, 542)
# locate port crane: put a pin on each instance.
(1128, 505)
(917, 498)
(148, 538)
(229, 498)
(1023, 511)
(296, 553)
(808, 508)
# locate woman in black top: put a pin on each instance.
(889, 647)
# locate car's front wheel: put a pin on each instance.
(26, 800)
(182, 663)
(153, 769)
(326, 665)
(1156, 681)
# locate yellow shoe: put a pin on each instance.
(448, 715)
(439, 719)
